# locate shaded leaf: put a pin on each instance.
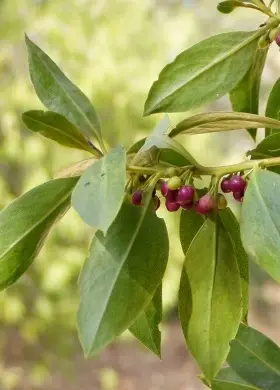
(25, 223)
(98, 196)
(121, 275)
(227, 379)
(146, 327)
(210, 285)
(260, 221)
(273, 106)
(203, 73)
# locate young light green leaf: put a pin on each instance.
(255, 358)
(273, 106)
(25, 223)
(222, 121)
(76, 169)
(260, 221)
(245, 96)
(226, 7)
(227, 379)
(121, 275)
(203, 73)
(232, 227)
(59, 94)
(210, 285)
(98, 196)
(57, 128)
(146, 327)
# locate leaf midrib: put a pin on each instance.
(249, 386)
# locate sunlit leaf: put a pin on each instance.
(273, 106)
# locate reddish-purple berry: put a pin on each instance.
(172, 195)
(239, 196)
(206, 204)
(225, 185)
(187, 206)
(136, 198)
(172, 206)
(185, 195)
(277, 39)
(156, 201)
(237, 183)
(164, 188)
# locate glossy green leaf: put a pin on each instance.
(227, 379)
(58, 93)
(146, 327)
(245, 96)
(260, 221)
(255, 358)
(232, 227)
(273, 106)
(210, 285)
(226, 7)
(99, 194)
(190, 223)
(222, 121)
(203, 73)
(25, 223)
(121, 275)
(57, 128)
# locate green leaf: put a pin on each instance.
(99, 194)
(222, 121)
(273, 106)
(57, 128)
(121, 275)
(255, 358)
(267, 148)
(226, 7)
(233, 229)
(26, 222)
(203, 73)
(145, 328)
(227, 379)
(245, 96)
(59, 94)
(190, 223)
(210, 285)
(76, 169)
(260, 221)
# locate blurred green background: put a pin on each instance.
(113, 50)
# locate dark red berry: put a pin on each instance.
(187, 206)
(136, 198)
(225, 185)
(172, 206)
(277, 39)
(156, 201)
(239, 196)
(171, 195)
(237, 183)
(185, 195)
(164, 188)
(206, 204)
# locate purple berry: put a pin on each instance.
(237, 183)
(156, 201)
(171, 195)
(225, 185)
(172, 206)
(187, 206)
(277, 39)
(239, 196)
(185, 195)
(137, 197)
(206, 204)
(164, 188)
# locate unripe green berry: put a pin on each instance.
(174, 183)
(273, 33)
(272, 22)
(221, 201)
(263, 42)
(171, 172)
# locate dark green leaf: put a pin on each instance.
(59, 94)
(232, 227)
(25, 223)
(210, 285)
(56, 127)
(260, 221)
(145, 328)
(273, 106)
(222, 121)
(245, 96)
(255, 358)
(121, 275)
(203, 73)
(99, 193)
(227, 379)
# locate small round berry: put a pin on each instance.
(239, 196)
(185, 195)
(172, 206)
(171, 195)
(277, 40)
(156, 202)
(237, 183)
(225, 185)
(174, 183)
(187, 206)
(206, 204)
(164, 188)
(221, 201)
(137, 197)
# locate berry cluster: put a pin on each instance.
(235, 184)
